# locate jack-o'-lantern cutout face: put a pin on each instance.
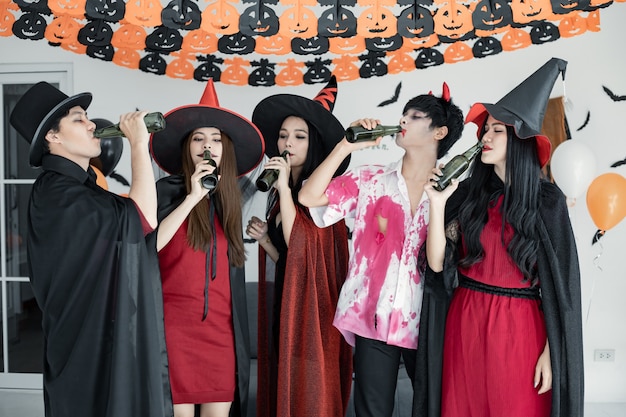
(345, 70)
(263, 75)
(36, 6)
(336, 22)
(208, 69)
(62, 29)
(238, 44)
(568, 6)
(392, 43)
(400, 62)
(527, 11)
(108, 10)
(273, 45)
(373, 65)
(457, 52)
(96, 33)
(377, 22)
(128, 58)
(318, 72)
(571, 25)
(291, 74)
(341, 46)
(129, 36)
(593, 21)
(492, 15)
(164, 40)
(7, 19)
(543, 32)
(104, 53)
(74, 46)
(428, 57)
(486, 47)
(420, 43)
(145, 13)
(74, 8)
(220, 18)
(30, 25)
(199, 41)
(180, 68)
(454, 21)
(153, 63)
(181, 14)
(416, 21)
(259, 20)
(514, 39)
(235, 73)
(316, 45)
(299, 21)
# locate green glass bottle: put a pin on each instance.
(457, 166)
(210, 181)
(360, 134)
(154, 122)
(269, 176)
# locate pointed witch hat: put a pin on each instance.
(166, 145)
(524, 107)
(269, 114)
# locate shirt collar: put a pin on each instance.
(66, 167)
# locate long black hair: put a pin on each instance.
(520, 206)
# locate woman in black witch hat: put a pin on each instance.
(201, 254)
(512, 344)
(304, 364)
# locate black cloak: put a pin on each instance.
(171, 192)
(96, 279)
(559, 278)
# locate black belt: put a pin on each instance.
(532, 293)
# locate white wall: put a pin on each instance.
(595, 59)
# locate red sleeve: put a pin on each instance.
(144, 223)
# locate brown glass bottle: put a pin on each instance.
(154, 122)
(269, 176)
(457, 166)
(361, 134)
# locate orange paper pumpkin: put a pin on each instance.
(6, 17)
(145, 13)
(220, 18)
(593, 21)
(180, 67)
(377, 21)
(74, 8)
(129, 36)
(273, 45)
(63, 29)
(528, 11)
(298, 21)
(351, 45)
(572, 24)
(235, 73)
(514, 39)
(457, 52)
(291, 74)
(453, 20)
(606, 200)
(126, 57)
(199, 41)
(345, 70)
(400, 61)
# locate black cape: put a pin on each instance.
(171, 192)
(96, 279)
(559, 277)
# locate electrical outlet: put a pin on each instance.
(604, 355)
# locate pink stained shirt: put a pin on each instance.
(381, 298)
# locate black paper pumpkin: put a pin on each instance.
(316, 45)
(38, 6)
(164, 40)
(104, 52)
(264, 75)
(391, 43)
(95, 33)
(259, 20)
(238, 44)
(317, 72)
(30, 25)
(568, 6)
(490, 15)
(543, 32)
(486, 47)
(208, 69)
(428, 57)
(108, 10)
(416, 21)
(153, 63)
(181, 14)
(336, 22)
(373, 65)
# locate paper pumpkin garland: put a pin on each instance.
(291, 42)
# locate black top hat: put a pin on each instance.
(166, 145)
(269, 114)
(525, 106)
(36, 112)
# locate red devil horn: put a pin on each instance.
(445, 93)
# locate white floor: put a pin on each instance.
(25, 403)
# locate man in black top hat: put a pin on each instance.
(93, 265)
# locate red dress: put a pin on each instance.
(492, 342)
(201, 353)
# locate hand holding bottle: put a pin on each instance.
(132, 126)
(210, 181)
(269, 175)
(457, 166)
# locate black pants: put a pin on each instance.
(376, 367)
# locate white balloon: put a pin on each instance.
(573, 166)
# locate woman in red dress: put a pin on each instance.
(201, 254)
(512, 344)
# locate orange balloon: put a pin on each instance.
(100, 178)
(606, 200)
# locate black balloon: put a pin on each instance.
(111, 150)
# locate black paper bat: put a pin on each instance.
(393, 99)
(613, 96)
(585, 123)
(618, 163)
(597, 236)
